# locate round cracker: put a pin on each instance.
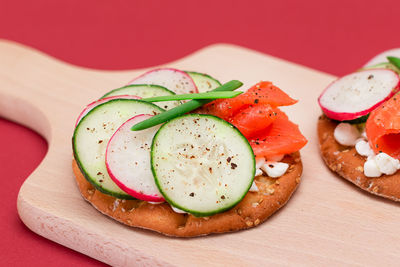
(254, 209)
(346, 162)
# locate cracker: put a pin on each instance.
(346, 162)
(254, 209)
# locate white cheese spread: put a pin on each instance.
(177, 210)
(363, 148)
(346, 134)
(253, 187)
(275, 169)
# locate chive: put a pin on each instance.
(395, 61)
(207, 95)
(184, 108)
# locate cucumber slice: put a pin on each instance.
(99, 102)
(202, 164)
(145, 91)
(92, 134)
(204, 82)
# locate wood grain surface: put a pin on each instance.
(327, 221)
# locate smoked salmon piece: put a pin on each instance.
(263, 93)
(254, 119)
(257, 117)
(383, 128)
(281, 137)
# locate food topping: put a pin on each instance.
(371, 168)
(357, 94)
(383, 128)
(363, 148)
(346, 134)
(259, 172)
(198, 163)
(380, 164)
(256, 114)
(275, 169)
(253, 187)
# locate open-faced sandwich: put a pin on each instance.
(223, 161)
(359, 133)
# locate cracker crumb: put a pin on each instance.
(90, 191)
(115, 204)
(249, 223)
(375, 189)
(298, 180)
(239, 211)
(270, 190)
(370, 185)
(360, 169)
(129, 221)
(257, 222)
(254, 205)
(338, 167)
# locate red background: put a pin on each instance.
(332, 36)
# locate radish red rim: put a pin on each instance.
(357, 94)
(173, 79)
(128, 160)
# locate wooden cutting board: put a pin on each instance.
(327, 221)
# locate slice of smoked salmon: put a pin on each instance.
(253, 119)
(221, 108)
(383, 128)
(263, 93)
(257, 117)
(281, 137)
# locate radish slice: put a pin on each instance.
(357, 94)
(128, 160)
(101, 101)
(175, 80)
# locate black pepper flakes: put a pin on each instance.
(191, 194)
(233, 166)
(229, 159)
